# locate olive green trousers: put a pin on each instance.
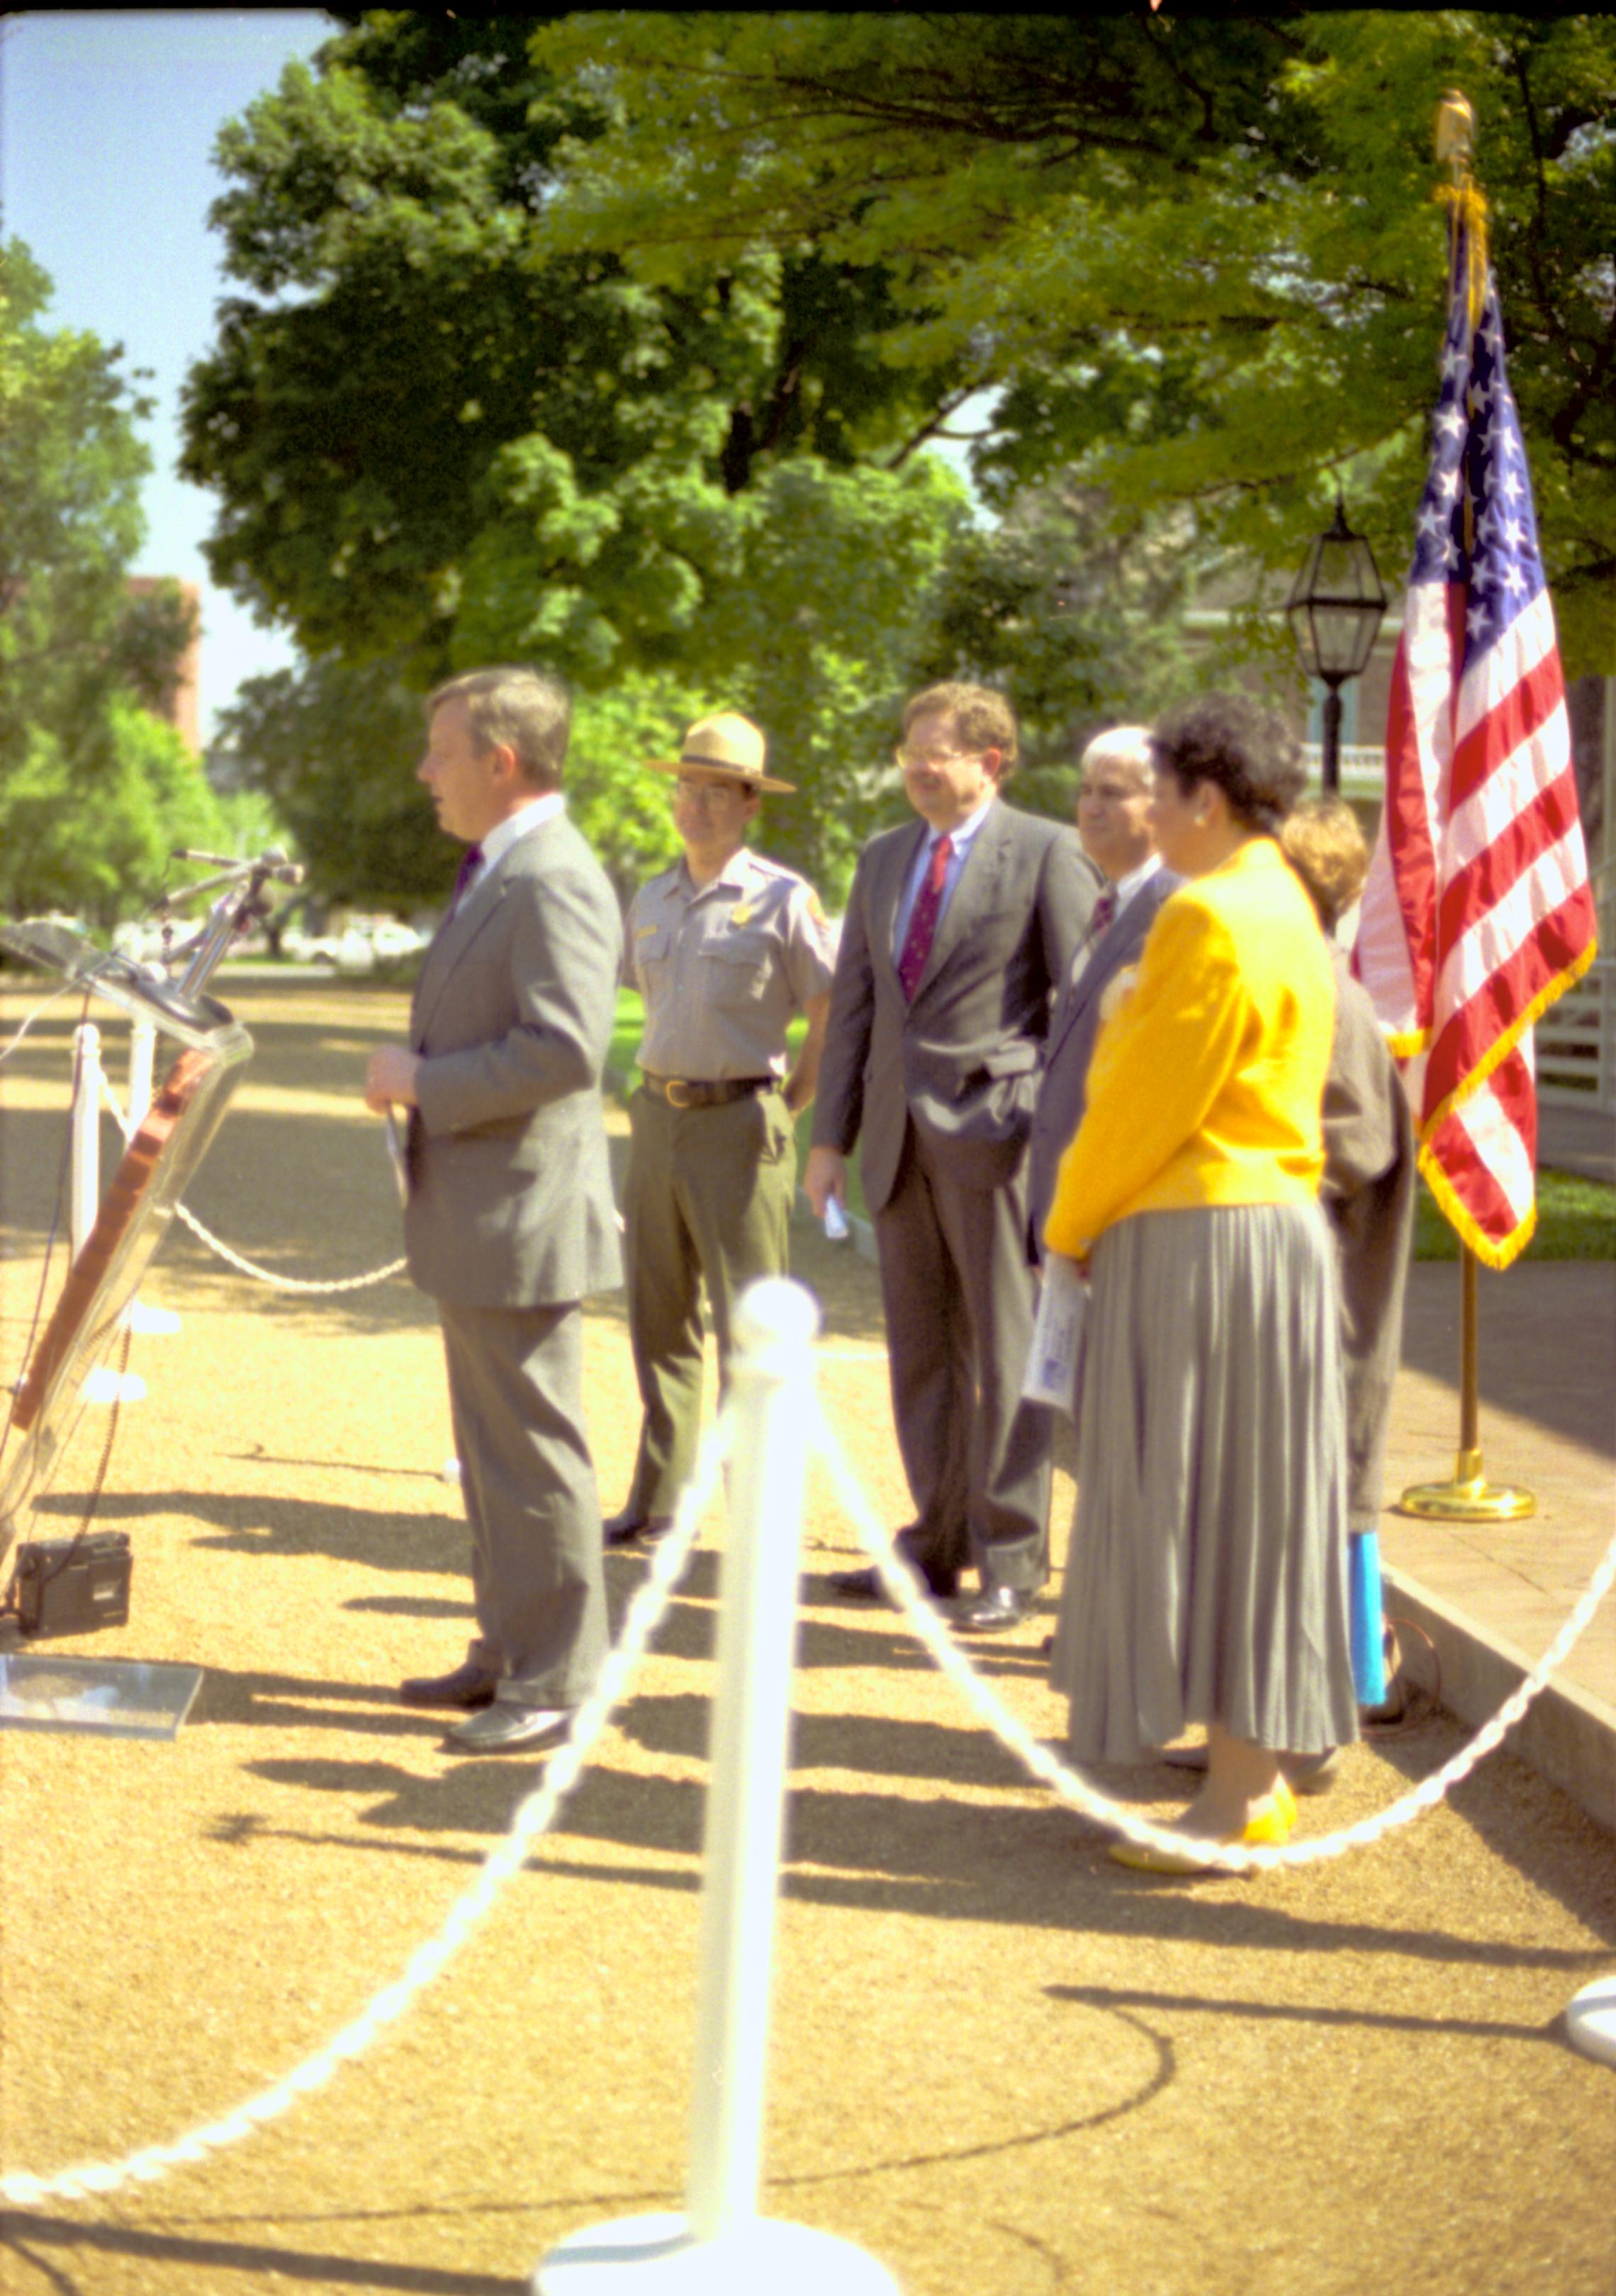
(706, 1200)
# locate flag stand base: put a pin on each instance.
(1468, 1498)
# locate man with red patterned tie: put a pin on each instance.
(959, 930)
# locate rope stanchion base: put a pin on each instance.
(661, 2256)
(1590, 2020)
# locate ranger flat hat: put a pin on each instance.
(728, 745)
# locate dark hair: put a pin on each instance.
(983, 718)
(529, 710)
(1246, 750)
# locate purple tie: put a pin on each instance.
(922, 919)
(470, 862)
(1104, 910)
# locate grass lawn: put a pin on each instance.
(1576, 1220)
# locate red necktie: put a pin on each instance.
(470, 862)
(1104, 909)
(922, 919)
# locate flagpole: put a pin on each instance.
(1468, 1497)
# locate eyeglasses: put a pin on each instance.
(933, 760)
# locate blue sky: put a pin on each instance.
(107, 124)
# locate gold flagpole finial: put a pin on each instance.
(1455, 132)
(1455, 142)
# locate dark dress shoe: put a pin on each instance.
(864, 1586)
(628, 1529)
(995, 1611)
(469, 1685)
(509, 1730)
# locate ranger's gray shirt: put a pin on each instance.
(724, 968)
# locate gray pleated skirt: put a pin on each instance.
(1207, 1576)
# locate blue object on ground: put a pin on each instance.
(1367, 1626)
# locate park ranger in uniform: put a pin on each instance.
(727, 948)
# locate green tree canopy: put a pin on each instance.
(1197, 253)
(1076, 614)
(437, 443)
(815, 637)
(92, 790)
(435, 439)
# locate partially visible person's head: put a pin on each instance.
(1239, 745)
(1227, 769)
(1114, 777)
(959, 745)
(1323, 844)
(527, 711)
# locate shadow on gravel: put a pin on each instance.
(252, 1524)
(308, 2266)
(1028, 1867)
(1552, 1844)
(1115, 1996)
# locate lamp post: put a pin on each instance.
(1335, 606)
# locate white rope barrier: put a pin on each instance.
(248, 1267)
(504, 1861)
(286, 1283)
(537, 1811)
(1075, 1790)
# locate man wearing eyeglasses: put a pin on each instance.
(1115, 774)
(960, 928)
(727, 948)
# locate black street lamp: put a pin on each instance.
(1335, 606)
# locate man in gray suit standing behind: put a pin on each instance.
(959, 929)
(509, 1222)
(1115, 775)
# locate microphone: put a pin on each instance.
(273, 861)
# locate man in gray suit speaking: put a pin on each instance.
(959, 929)
(509, 1222)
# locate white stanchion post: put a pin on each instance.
(102, 1383)
(84, 1168)
(721, 2243)
(151, 1323)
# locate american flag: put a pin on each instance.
(1478, 912)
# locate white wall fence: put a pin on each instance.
(1576, 1043)
(1576, 1039)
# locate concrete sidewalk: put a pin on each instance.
(1493, 1595)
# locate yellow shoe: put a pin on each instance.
(1268, 1828)
(1284, 1807)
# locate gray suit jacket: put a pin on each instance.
(510, 1203)
(1064, 1093)
(963, 1060)
(1369, 1191)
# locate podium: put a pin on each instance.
(203, 1048)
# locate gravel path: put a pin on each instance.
(1000, 2064)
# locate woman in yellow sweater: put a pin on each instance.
(1207, 1578)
